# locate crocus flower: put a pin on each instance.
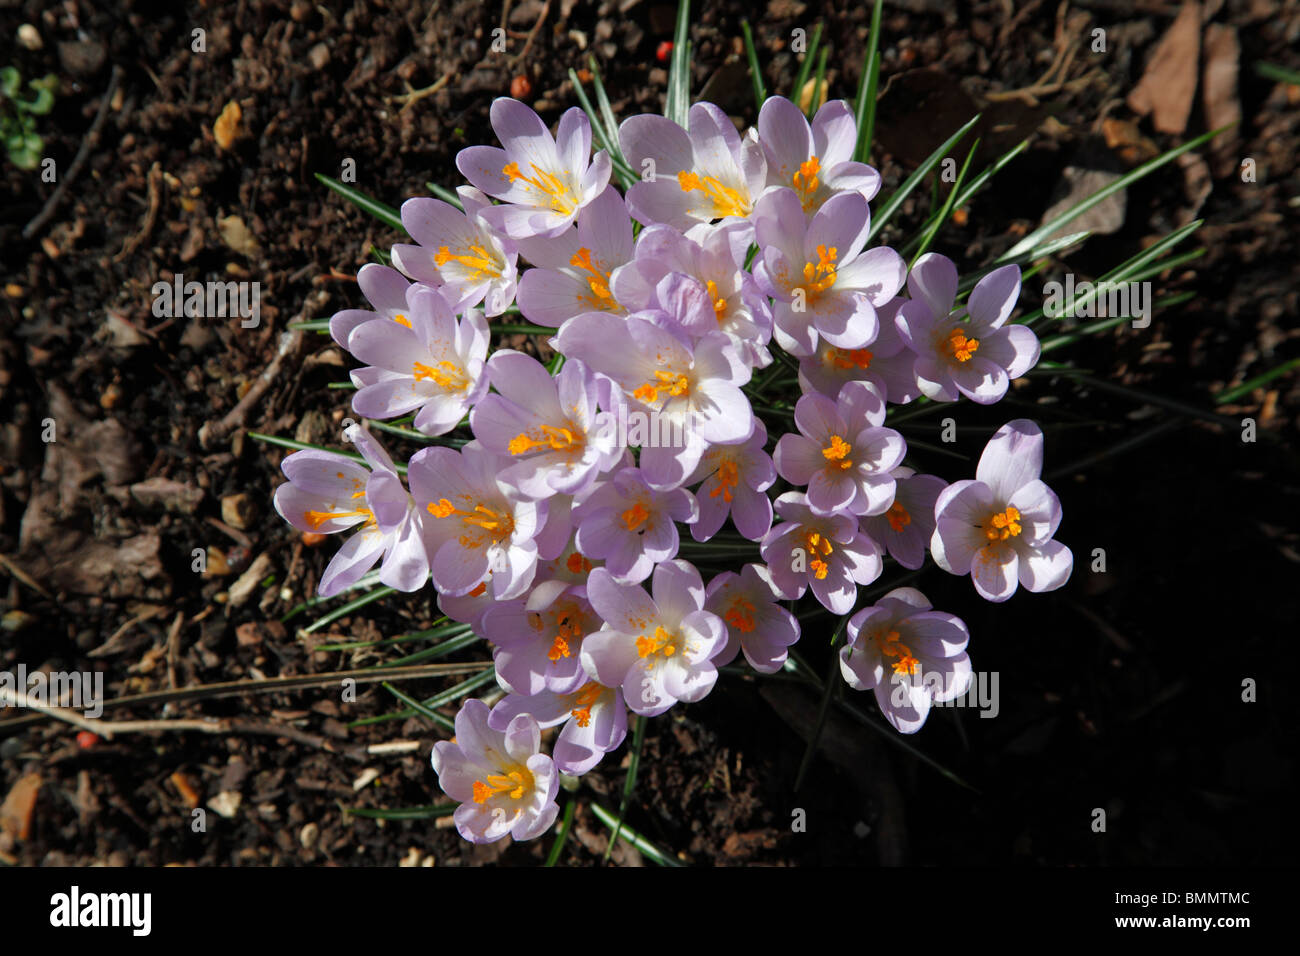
(815, 161)
(909, 654)
(477, 525)
(328, 493)
(735, 479)
(825, 286)
(499, 777)
(955, 356)
(887, 363)
(998, 528)
(547, 427)
(594, 718)
(538, 638)
(904, 530)
(574, 270)
(824, 552)
(384, 288)
(699, 277)
(433, 363)
(542, 182)
(843, 454)
(687, 397)
(629, 525)
(756, 623)
(659, 650)
(686, 178)
(458, 252)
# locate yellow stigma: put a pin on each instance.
(959, 346)
(726, 200)
(662, 643)
(557, 193)
(741, 615)
(446, 375)
(819, 547)
(666, 382)
(838, 451)
(498, 526)
(849, 358)
(805, 181)
(898, 517)
(728, 476)
(475, 258)
(892, 647)
(318, 518)
(597, 280)
(559, 648)
(515, 783)
(402, 320)
(1003, 525)
(719, 302)
(635, 517)
(544, 436)
(584, 699)
(577, 563)
(820, 275)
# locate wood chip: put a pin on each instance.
(20, 806)
(227, 127)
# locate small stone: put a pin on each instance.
(308, 835)
(226, 803)
(227, 127)
(238, 511)
(319, 55)
(29, 38)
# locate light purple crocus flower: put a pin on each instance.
(538, 638)
(998, 528)
(573, 271)
(385, 289)
(594, 719)
(328, 493)
(910, 655)
(735, 479)
(477, 526)
(629, 525)
(955, 356)
(825, 285)
(756, 623)
(904, 530)
(886, 363)
(458, 252)
(686, 178)
(699, 277)
(824, 552)
(501, 780)
(683, 398)
(435, 365)
(543, 183)
(843, 454)
(548, 428)
(658, 651)
(815, 161)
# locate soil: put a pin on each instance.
(1121, 692)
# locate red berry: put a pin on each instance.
(86, 740)
(664, 52)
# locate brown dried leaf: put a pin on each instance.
(1169, 83)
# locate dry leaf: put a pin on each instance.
(1219, 94)
(1169, 83)
(19, 806)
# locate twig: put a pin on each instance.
(413, 96)
(91, 139)
(22, 575)
(532, 35)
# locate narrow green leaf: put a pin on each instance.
(918, 176)
(629, 784)
(431, 715)
(427, 812)
(1079, 208)
(562, 836)
(818, 80)
(647, 849)
(384, 213)
(1274, 72)
(446, 195)
(302, 446)
(944, 212)
(338, 612)
(864, 108)
(677, 102)
(806, 66)
(1248, 386)
(755, 72)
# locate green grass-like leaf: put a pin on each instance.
(864, 106)
(1248, 386)
(381, 211)
(918, 176)
(755, 72)
(647, 849)
(677, 102)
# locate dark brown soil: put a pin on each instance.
(1123, 691)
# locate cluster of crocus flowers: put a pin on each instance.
(556, 530)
